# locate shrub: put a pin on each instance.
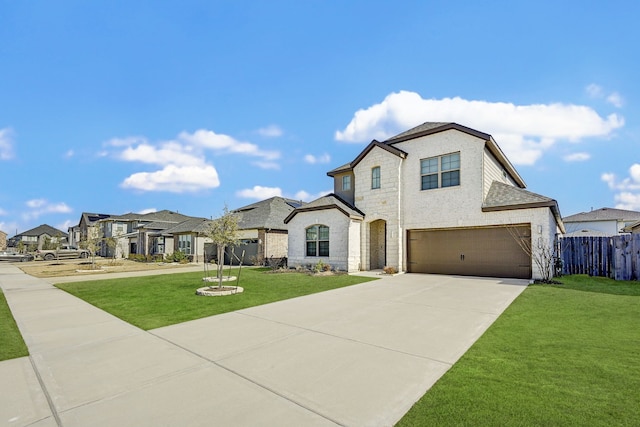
(389, 269)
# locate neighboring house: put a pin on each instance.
(140, 233)
(188, 237)
(600, 222)
(263, 232)
(87, 227)
(36, 237)
(439, 198)
(3, 240)
(633, 228)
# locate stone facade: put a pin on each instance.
(399, 204)
(3, 240)
(276, 244)
(344, 240)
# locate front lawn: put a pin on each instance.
(560, 355)
(11, 343)
(154, 301)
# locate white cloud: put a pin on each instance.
(168, 153)
(3, 212)
(259, 193)
(65, 225)
(594, 91)
(148, 210)
(39, 207)
(597, 92)
(266, 165)
(628, 196)
(6, 144)
(183, 162)
(69, 154)
(311, 159)
(225, 143)
(628, 201)
(630, 183)
(307, 197)
(174, 179)
(524, 132)
(271, 131)
(615, 99)
(577, 157)
(10, 227)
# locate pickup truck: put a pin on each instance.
(64, 251)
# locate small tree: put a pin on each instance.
(92, 244)
(223, 232)
(541, 251)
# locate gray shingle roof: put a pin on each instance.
(424, 127)
(507, 197)
(330, 201)
(267, 214)
(43, 229)
(195, 225)
(604, 214)
(504, 195)
(91, 218)
(165, 215)
(157, 225)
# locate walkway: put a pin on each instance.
(360, 355)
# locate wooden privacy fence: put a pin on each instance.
(617, 257)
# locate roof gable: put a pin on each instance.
(43, 229)
(373, 144)
(430, 128)
(330, 201)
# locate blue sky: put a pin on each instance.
(136, 106)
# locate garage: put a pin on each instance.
(483, 251)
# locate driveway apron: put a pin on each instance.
(355, 356)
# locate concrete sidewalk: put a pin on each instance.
(360, 355)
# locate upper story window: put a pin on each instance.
(317, 241)
(346, 183)
(441, 171)
(375, 177)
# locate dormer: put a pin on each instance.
(344, 182)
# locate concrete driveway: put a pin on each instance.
(356, 356)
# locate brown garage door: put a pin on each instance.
(487, 251)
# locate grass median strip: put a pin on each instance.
(560, 355)
(154, 301)
(11, 343)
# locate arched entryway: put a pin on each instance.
(377, 244)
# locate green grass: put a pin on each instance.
(11, 343)
(560, 355)
(155, 301)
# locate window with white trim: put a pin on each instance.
(317, 240)
(440, 171)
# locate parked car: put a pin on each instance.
(62, 252)
(15, 256)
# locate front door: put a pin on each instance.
(377, 244)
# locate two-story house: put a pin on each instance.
(438, 198)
